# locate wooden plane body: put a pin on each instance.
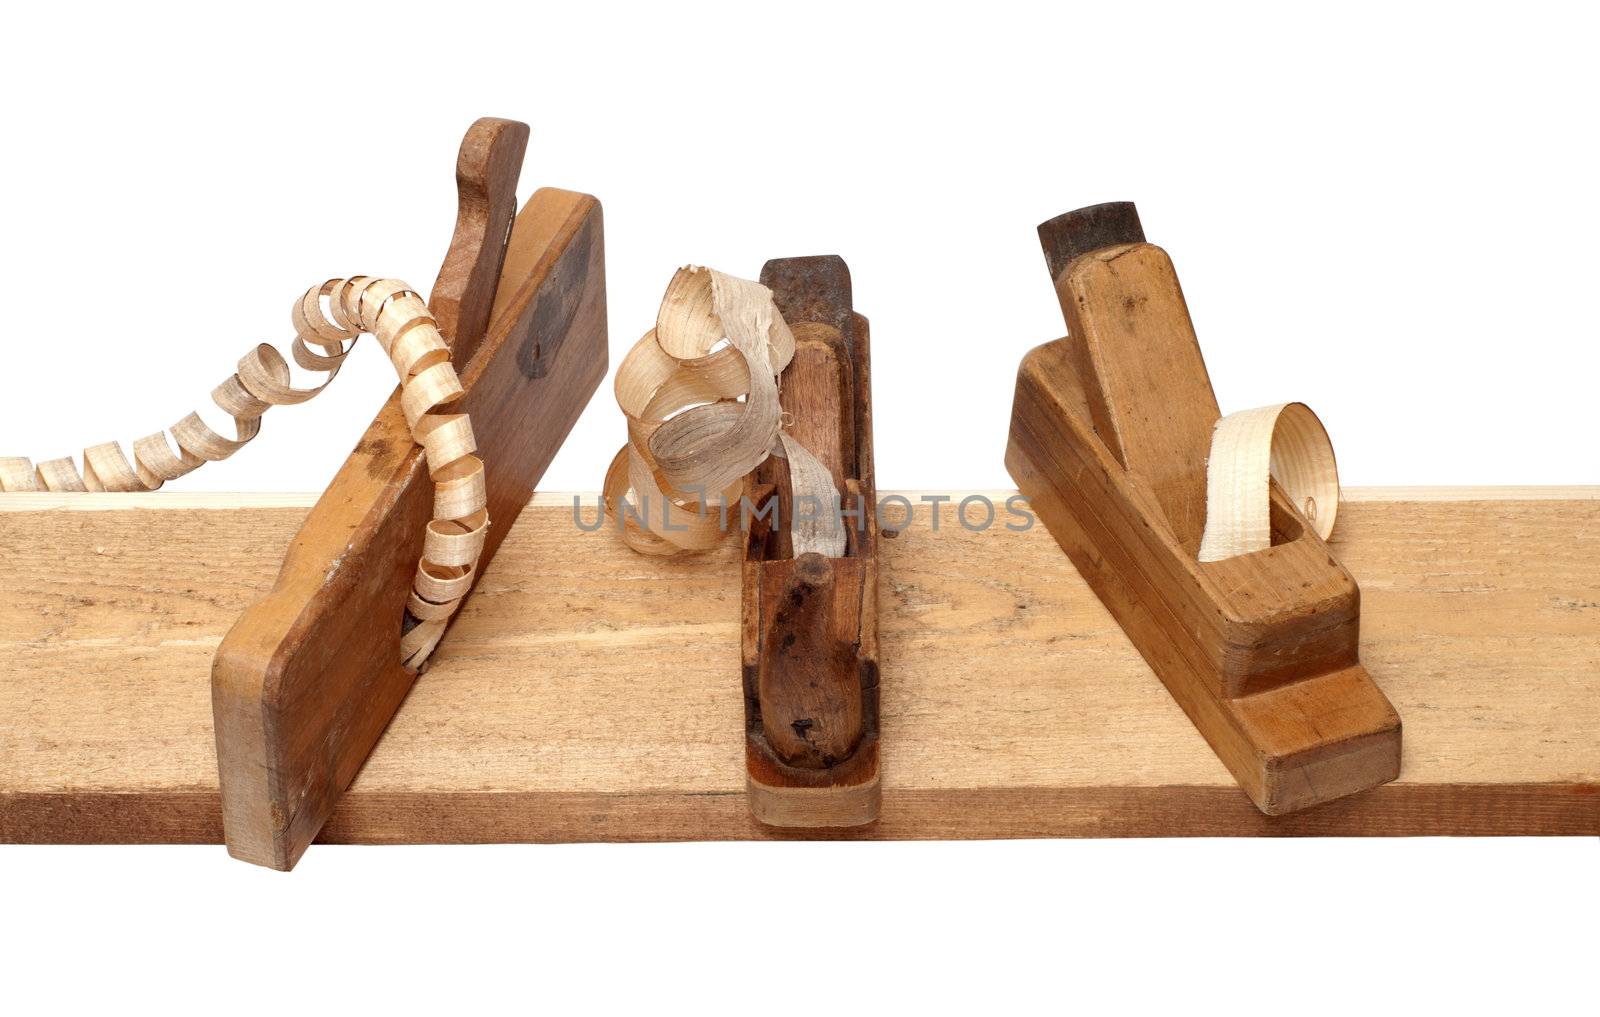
(810, 623)
(309, 677)
(1110, 432)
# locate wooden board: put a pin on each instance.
(1016, 708)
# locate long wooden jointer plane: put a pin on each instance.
(309, 677)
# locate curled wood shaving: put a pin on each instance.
(1251, 448)
(701, 416)
(328, 319)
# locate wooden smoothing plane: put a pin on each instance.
(1111, 432)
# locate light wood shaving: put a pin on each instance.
(328, 319)
(702, 416)
(1249, 449)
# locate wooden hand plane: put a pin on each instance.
(1110, 433)
(810, 623)
(309, 677)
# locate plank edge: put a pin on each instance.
(103, 501)
(1006, 813)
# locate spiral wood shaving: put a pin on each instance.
(327, 321)
(1251, 448)
(701, 418)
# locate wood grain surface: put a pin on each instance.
(1013, 706)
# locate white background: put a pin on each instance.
(1388, 213)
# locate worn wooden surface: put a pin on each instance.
(487, 169)
(1013, 705)
(307, 680)
(1110, 437)
(810, 622)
